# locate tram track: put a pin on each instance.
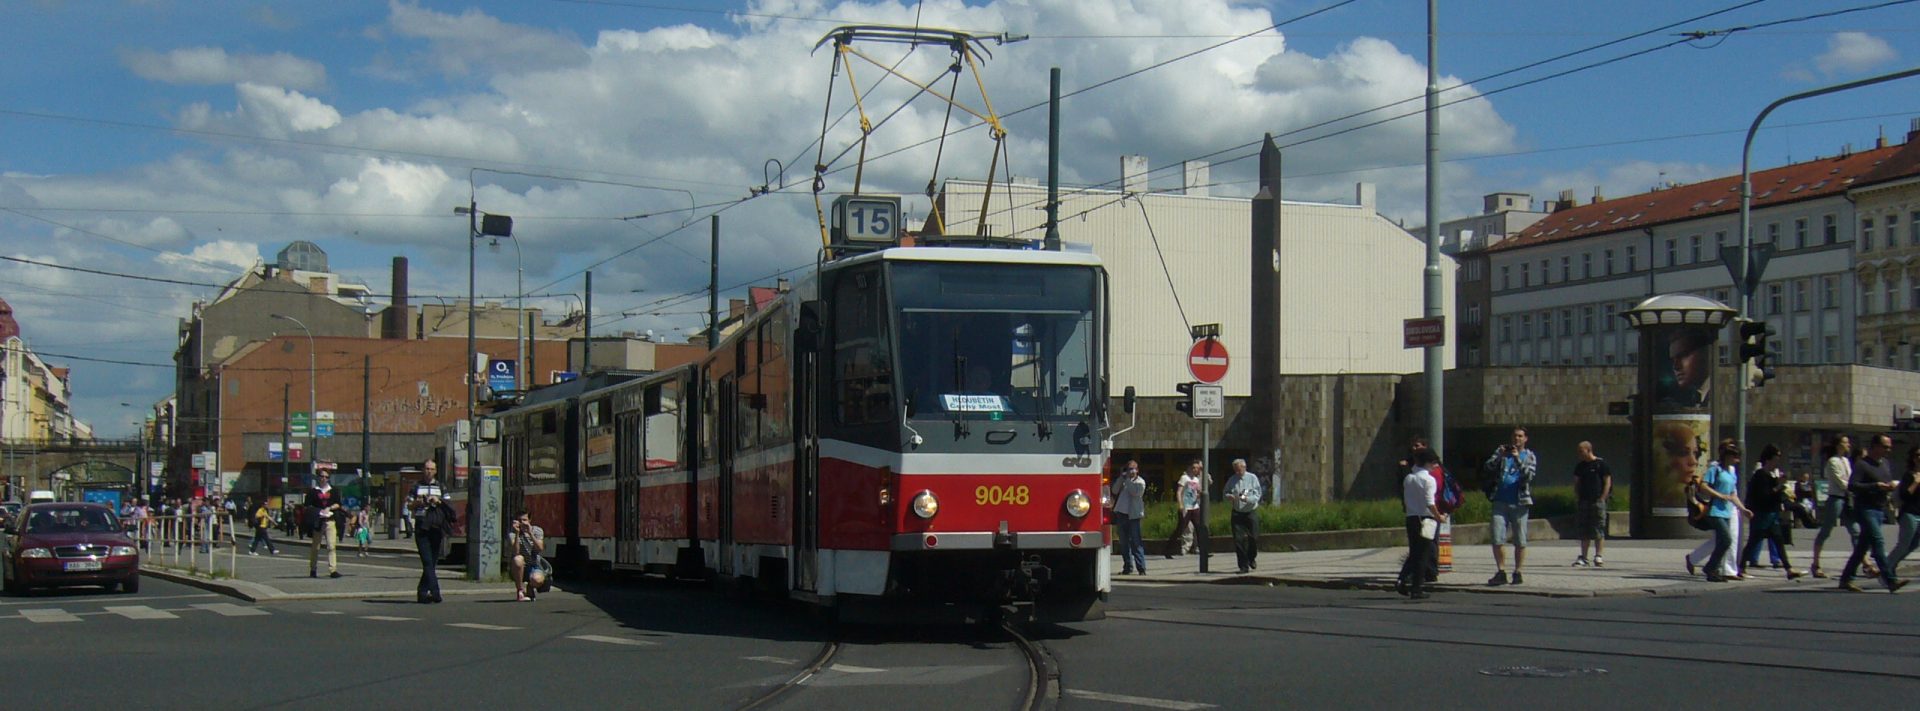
(1041, 692)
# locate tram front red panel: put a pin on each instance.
(980, 502)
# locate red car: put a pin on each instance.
(64, 544)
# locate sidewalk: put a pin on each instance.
(390, 572)
(1634, 567)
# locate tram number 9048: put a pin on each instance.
(1002, 496)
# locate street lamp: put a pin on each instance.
(313, 442)
(479, 224)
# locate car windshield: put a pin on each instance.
(70, 521)
(995, 341)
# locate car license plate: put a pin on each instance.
(82, 565)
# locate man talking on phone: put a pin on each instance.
(432, 517)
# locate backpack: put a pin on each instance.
(1450, 497)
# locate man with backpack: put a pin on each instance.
(432, 518)
(1592, 487)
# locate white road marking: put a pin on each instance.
(850, 669)
(389, 618)
(1118, 584)
(612, 640)
(48, 615)
(1138, 700)
(328, 612)
(478, 626)
(141, 612)
(772, 660)
(228, 609)
(120, 599)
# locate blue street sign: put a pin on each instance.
(102, 496)
(500, 375)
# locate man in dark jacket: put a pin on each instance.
(1870, 484)
(432, 516)
(323, 505)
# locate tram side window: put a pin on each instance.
(663, 426)
(746, 430)
(862, 367)
(774, 379)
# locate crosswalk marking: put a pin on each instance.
(772, 660)
(48, 615)
(328, 612)
(228, 609)
(479, 626)
(612, 640)
(388, 618)
(141, 612)
(1138, 700)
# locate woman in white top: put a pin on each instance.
(1833, 508)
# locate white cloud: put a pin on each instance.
(472, 41)
(212, 65)
(238, 255)
(1853, 52)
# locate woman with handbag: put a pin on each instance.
(1720, 485)
(1833, 509)
(1766, 495)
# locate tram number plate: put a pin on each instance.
(1002, 496)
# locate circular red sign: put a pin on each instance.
(1207, 360)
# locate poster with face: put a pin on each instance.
(1679, 454)
(1683, 358)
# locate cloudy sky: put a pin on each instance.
(185, 140)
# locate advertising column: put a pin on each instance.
(1673, 422)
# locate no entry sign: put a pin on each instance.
(1207, 360)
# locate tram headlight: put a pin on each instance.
(1078, 504)
(925, 504)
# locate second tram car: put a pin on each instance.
(918, 425)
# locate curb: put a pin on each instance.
(1377, 586)
(255, 592)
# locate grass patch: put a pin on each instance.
(1296, 517)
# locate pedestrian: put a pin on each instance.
(1417, 494)
(1721, 484)
(1767, 499)
(1909, 495)
(1806, 504)
(1509, 485)
(323, 505)
(1592, 488)
(527, 541)
(1129, 506)
(1870, 485)
(435, 517)
(262, 521)
(1833, 508)
(362, 530)
(1188, 527)
(1243, 491)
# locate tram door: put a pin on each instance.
(727, 428)
(628, 464)
(806, 460)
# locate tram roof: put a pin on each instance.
(976, 255)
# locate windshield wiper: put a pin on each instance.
(960, 429)
(1041, 429)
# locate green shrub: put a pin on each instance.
(1297, 517)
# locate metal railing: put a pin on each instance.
(189, 542)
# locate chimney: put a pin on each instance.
(736, 308)
(1913, 129)
(1194, 177)
(1133, 174)
(1597, 197)
(1565, 202)
(394, 322)
(1363, 195)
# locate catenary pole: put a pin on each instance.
(1435, 364)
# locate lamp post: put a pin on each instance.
(482, 557)
(313, 442)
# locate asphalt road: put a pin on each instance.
(655, 644)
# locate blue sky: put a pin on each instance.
(186, 139)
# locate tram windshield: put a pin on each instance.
(997, 341)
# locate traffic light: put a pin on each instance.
(1760, 370)
(1753, 339)
(1185, 403)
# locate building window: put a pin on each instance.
(1526, 327)
(1506, 277)
(1773, 299)
(1673, 251)
(1609, 261)
(1773, 233)
(1586, 320)
(1800, 295)
(1720, 295)
(1566, 269)
(1693, 249)
(1506, 329)
(1866, 298)
(1719, 241)
(1893, 230)
(1473, 356)
(1800, 233)
(1833, 349)
(1473, 315)
(1606, 319)
(1802, 349)
(1913, 293)
(1913, 357)
(1586, 266)
(1866, 355)
(1892, 295)
(1829, 292)
(1546, 276)
(1830, 228)
(1526, 274)
(1866, 234)
(1566, 323)
(1546, 325)
(1913, 231)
